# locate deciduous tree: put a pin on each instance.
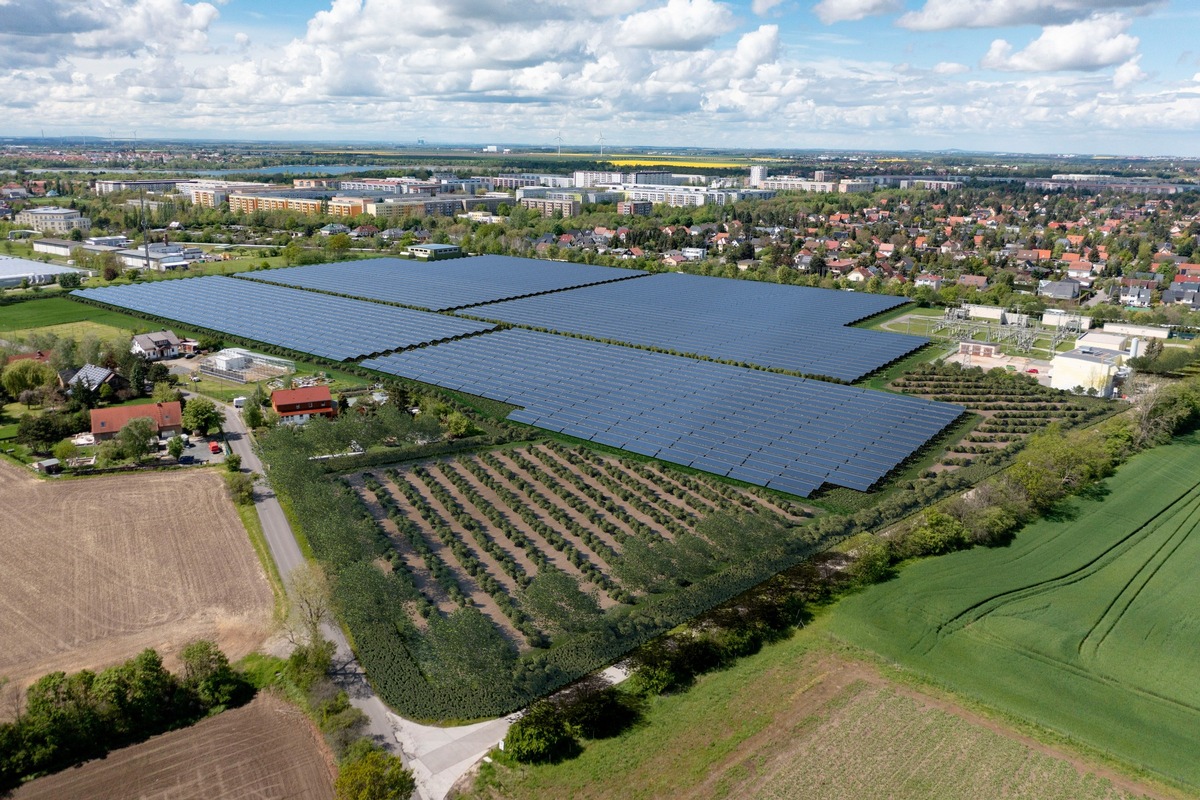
(135, 438)
(26, 374)
(376, 775)
(202, 415)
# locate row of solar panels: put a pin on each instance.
(443, 285)
(784, 327)
(764, 428)
(330, 327)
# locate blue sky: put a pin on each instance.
(1082, 76)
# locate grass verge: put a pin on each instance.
(258, 541)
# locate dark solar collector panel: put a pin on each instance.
(331, 327)
(787, 327)
(694, 413)
(441, 285)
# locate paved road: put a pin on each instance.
(287, 555)
(437, 756)
(278, 532)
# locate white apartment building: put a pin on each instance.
(52, 219)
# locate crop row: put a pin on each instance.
(549, 534)
(434, 565)
(552, 509)
(636, 501)
(471, 525)
(466, 558)
(575, 501)
(603, 500)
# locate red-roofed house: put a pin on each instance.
(300, 405)
(167, 419)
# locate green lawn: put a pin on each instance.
(797, 721)
(48, 311)
(1086, 624)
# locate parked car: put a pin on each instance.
(1032, 371)
(214, 448)
(186, 460)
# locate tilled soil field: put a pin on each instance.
(265, 750)
(96, 570)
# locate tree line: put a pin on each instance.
(71, 718)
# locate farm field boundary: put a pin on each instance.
(1084, 625)
(798, 721)
(41, 313)
(265, 749)
(97, 570)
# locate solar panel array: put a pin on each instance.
(785, 327)
(443, 285)
(780, 431)
(330, 327)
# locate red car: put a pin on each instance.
(214, 448)
(1032, 371)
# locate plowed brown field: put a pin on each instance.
(93, 571)
(265, 750)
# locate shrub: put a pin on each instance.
(241, 487)
(374, 775)
(541, 735)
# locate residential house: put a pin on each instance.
(157, 345)
(1081, 271)
(1136, 296)
(300, 405)
(928, 279)
(979, 282)
(1066, 289)
(91, 377)
(167, 419)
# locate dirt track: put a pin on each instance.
(267, 749)
(96, 570)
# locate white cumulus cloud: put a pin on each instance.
(831, 11)
(950, 68)
(679, 25)
(1090, 44)
(1129, 73)
(763, 7)
(937, 15)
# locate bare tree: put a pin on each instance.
(309, 592)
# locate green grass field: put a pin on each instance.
(1086, 624)
(798, 721)
(42, 313)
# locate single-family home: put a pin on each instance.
(91, 377)
(300, 405)
(167, 419)
(1066, 289)
(156, 345)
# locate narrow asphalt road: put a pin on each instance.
(288, 557)
(437, 756)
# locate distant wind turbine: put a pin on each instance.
(559, 139)
(601, 140)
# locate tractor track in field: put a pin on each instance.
(1174, 541)
(988, 605)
